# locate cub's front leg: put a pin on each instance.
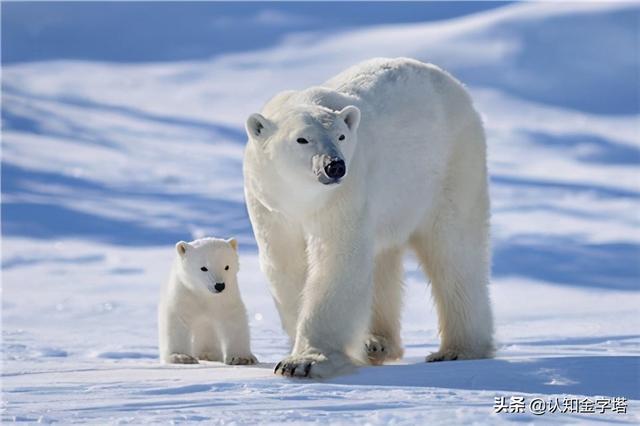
(175, 340)
(235, 337)
(336, 302)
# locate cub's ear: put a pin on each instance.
(258, 127)
(351, 117)
(233, 243)
(182, 248)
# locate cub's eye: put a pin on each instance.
(302, 140)
(204, 269)
(226, 268)
(341, 138)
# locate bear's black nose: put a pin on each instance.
(219, 287)
(335, 169)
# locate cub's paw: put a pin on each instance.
(380, 349)
(314, 365)
(210, 356)
(182, 359)
(241, 360)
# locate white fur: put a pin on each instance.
(414, 149)
(195, 320)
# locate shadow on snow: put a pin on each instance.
(567, 261)
(588, 375)
(51, 221)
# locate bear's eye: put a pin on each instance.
(204, 269)
(302, 140)
(226, 268)
(341, 138)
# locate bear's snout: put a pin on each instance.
(329, 168)
(335, 169)
(219, 287)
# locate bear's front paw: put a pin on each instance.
(379, 349)
(459, 354)
(314, 365)
(241, 360)
(182, 359)
(443, 355)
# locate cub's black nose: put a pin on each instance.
(335, 169)
(219, 287)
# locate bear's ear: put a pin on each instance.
(258, 127)
(182, 248)
(351, 117)
(233, 243)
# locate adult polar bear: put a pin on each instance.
(339, 180)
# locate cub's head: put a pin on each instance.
(208, 265)
(309, 145)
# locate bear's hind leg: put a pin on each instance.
(384, 342)
(455, 257)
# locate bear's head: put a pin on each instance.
(208, 265)
(308, 145)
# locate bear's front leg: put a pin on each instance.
(282, 259)
(336, 301)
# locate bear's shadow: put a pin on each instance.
(582, 375)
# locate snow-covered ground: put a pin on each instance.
(105, 166)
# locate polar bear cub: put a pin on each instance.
(201, 315)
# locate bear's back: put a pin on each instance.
(378, 84)
(375, 77)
